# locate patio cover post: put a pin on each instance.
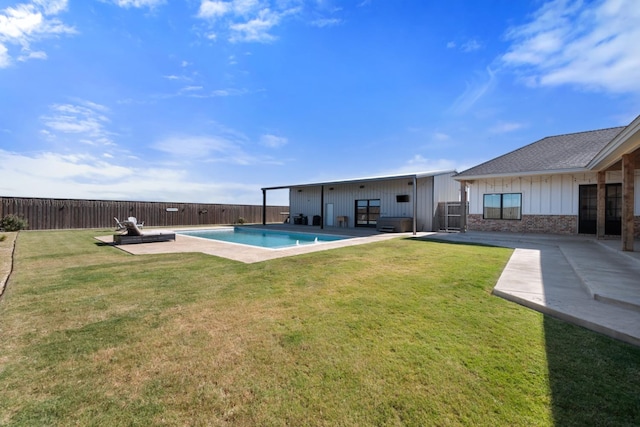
(463, 206)
(322, 207)
(264, 206)
(602, 199)
(628, 173)
(415, 204)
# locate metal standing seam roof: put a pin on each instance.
(368, 179)
(563, 152)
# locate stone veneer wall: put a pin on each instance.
(556, 224)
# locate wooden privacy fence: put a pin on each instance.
(448, 216)
(49, 214)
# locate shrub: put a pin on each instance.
(3, 237)
(13, 223)
(241, 220)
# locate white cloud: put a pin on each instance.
(51, 7)
(87, 177)
(506, 127)
(139, 3)
(33, 55)
(5, 59)
(214, 9)
(225, 145)
(474, 92)
(439, 136)
(196, 146)
(28, 23)
(326, 22)
(229, 92)
(84, 122)
(470, 46)
(257, 29)
(593, 45)
(244, 20)
(69, 118)
(419, 163)
(273, 141)
(191, 88)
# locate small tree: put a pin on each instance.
(13, 222)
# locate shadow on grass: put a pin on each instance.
(593, 379)
(451, 242)
(100, 244)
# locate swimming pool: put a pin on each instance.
(271, 239)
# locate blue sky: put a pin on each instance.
(208, 101)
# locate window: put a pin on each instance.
(367, 212)
(503, 206)
(402, 198)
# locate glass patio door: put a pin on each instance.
(367, 212)
(588, 213)
(613, 210)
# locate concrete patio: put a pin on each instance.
(588, 282)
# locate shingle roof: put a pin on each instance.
(570, 151)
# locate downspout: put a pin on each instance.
(322, 207)
(415, 204)
(264, 206)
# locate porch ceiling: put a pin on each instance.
(627, 141)
(617, 166)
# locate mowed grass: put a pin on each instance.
(403, 332)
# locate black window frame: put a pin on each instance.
(370, 215)
(501, 208)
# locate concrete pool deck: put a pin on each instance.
(251, 254)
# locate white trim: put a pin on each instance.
(370, 179)
(517, 174)
(610, 153)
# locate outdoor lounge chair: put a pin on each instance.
(119, 225)
(135, 221)
(135, 235)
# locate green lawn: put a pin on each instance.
(402, 332)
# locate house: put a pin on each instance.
(586, 182)
(407, 202)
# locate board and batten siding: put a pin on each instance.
(445, 188)
(544, 194)
(306, 200)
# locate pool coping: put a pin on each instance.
(259, 230)
(248, 254)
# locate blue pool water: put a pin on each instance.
(262, 238)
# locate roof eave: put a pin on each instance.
(361, 180)
(519, 174)
(613, 151)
